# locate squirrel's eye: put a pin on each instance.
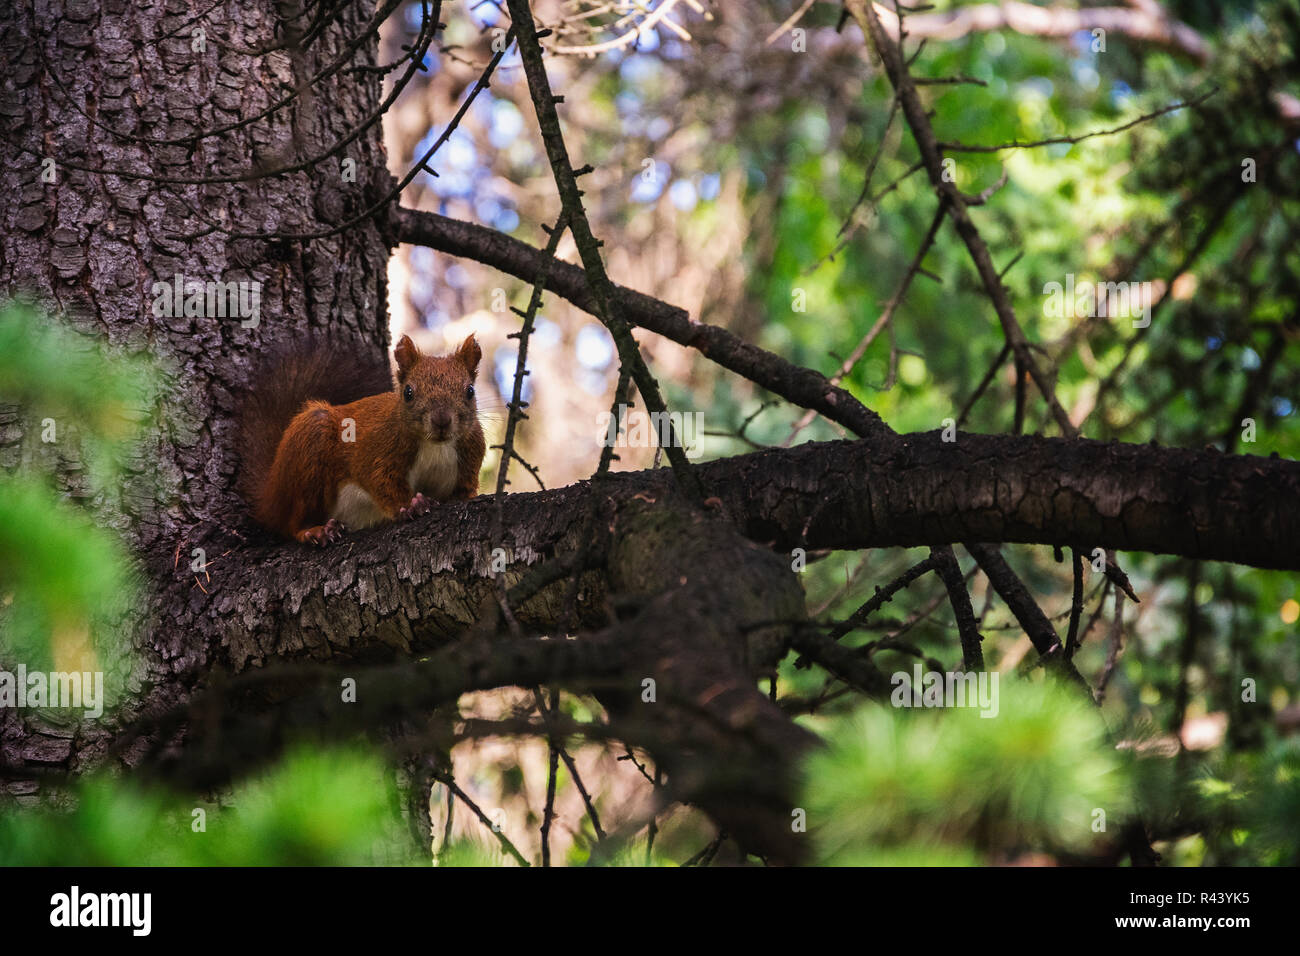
(408, 393)
(469, 393)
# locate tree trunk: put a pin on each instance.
(106, 100)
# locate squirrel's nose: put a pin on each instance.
(441, 421)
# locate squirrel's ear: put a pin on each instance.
(407, 355)
(469, 354)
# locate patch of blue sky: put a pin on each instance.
(503, 374)
(1085, 74)
(659, 127)
(420, 289)
(434, 318)
(673, 49)
(422, 258)
(456, 276)
(505, 125)
(453, 184)
(456, 163)
(459, 151)
(487, 208)
(639, 69)
(546, 334)
(648, 186)
(507, 220)
(594, 347)
(485, 13)
(414, 14)
(1081, 40)
(647, 41)
(495, 213)
(682, 194)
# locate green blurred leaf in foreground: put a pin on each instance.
(904, 787)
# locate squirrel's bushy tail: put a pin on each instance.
(287, 378)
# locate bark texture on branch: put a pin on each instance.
(410, 587)
(676, 665)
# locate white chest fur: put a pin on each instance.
(356, 509)
(433, 473)
(435, 470)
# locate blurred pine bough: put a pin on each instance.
(333, 807)
(65, 578)
(947, 787)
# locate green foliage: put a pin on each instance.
(953, 787)
(1252, 803)
(314, 808)
(1273, 807)
(1162, 201)
(59, 568)
(64, 577)
(70, 380)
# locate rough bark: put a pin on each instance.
(673, 652)
(110, 93)
(415, 586)
(117, 96)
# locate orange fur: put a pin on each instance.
(318, 476)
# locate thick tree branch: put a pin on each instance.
(415, 586)
(675, 671)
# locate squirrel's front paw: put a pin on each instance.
(419, 505)
(323, 534)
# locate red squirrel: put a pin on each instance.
(322, 452)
